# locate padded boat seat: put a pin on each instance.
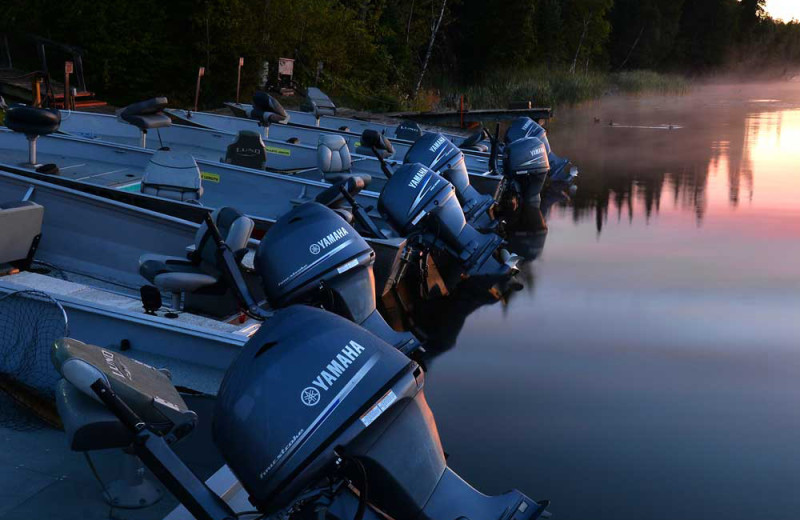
(267, 110)
(372, 141)
(180, 275)
(146, 390)
(473, 142)
(248, 151)
(146, 114)
(20, 224)
(172, 175)
(408, 130)
(333, 159)
(32, 121)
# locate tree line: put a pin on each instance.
(381, 53)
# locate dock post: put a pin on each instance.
(67, 92)
(238, 79)
(200, 73)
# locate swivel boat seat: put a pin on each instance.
(146, 115)
(33, 122)
(318, 103)
(375, 144)
(200, 271)
(172, 175)
(474, 142)
(248, 151)
(334, 161)
(266, 110)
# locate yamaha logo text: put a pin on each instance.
(417, 178)
(311, 395)
(327, 241)
(437, 143)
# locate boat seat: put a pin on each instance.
(318, 103)
(181, 275)
(267, 110)
(147, 391)
(332, 197)
(408, 131)
(172, 175)
(372, 141)
(32, 121)
(473, 142)
(146, 114)
(20, 225)
(248, 151)
(333, 159)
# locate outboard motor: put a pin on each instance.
(266, 110)
(341, 407)
(439, 154)
(525, 168)
(422, 205)
(313, 256)
(561, 169)
(317, 417)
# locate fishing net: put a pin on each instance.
(30, 322)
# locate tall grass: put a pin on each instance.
(551, 88)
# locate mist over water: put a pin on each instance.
(651, 367)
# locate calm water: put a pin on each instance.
(651, 367)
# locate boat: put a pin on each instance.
(98, 257)
(320, 111)
(100, 167)
(477, 162)
(334, 400)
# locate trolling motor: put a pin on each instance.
(316, 418)
(439, 154)
(266, 110)
(562, 171)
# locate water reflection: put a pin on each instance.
(634, 168)
(651, 371)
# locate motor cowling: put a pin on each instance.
(525, 163)
(561, 169)
(526, 156)
(303, 385)
(441, 155)
(411, 193)
(312, 255)
(310, 245)
(418, 201)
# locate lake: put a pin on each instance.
(651, 367)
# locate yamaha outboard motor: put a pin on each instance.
(266, 110)
(561, 169)
(316, 418)
(422, 205)
(525, 167)
(439, 154)
(312, 255)
(315, 406)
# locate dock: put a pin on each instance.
(454, 117)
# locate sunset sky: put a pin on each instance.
(786, 9)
